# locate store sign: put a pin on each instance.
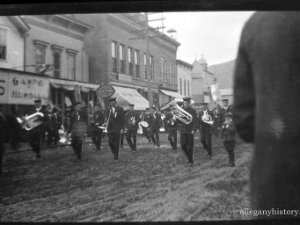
(23, 89)
(105, 91)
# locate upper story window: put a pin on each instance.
(137, 63)
(40, 55)
(130, 58)
(3, 44)
(162, 70)
(180, 86)
(188, 88)
(122, 58)
(151, 70)
(71, 62)
(184, 88)
(114, 54)
(57, 60)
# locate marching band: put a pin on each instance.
(118, 123)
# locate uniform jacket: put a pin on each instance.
(116, 120)
(228, 132)
(155, 121)
(78, 123)
(130, 117)
(188, 128)
(223, 111)
(205, 127)
(170, 123)
(98, 118)
(267, 106)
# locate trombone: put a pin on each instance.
(105, 125)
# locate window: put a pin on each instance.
(184, 87)
(40, 54)
(162, 69)
(145, 65)
(151, 68)
(188, 88)
(3, 44)
(180, 86)
(122, 59)
(137, 63)
(114, 57)
(56, 64)
(71, 64)
(171, 74)
(130, 60)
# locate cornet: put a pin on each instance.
(30, 122)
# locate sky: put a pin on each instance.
(215, 35)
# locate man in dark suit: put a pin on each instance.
(206, 120)
(132, 120)
(36, 134)
(267, 107)
(146, 130)
(171, 126)
(78, 129)
(155, 124)
(187, 131)
(115, 126)
(98, 120)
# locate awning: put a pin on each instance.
(70, 85)
(178, 97)
(126, 96)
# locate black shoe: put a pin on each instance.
(231, 164)
(38, 156)
(98, 148)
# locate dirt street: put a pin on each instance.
(152, 184)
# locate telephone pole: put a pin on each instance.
(148, 75)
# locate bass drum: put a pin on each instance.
(144, 124)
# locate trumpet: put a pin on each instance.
(30, 122)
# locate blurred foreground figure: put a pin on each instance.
(267, 107)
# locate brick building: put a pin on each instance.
(117, 50)
(184, 78)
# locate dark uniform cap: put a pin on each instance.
(154, 107)
(224, 100)
(186, 98)
(204, 103)
(38, 101)
(112, 99)
(131, 105)
(147, 108)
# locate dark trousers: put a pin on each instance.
(229, 147)
(155, 137)
(146, 133)
(36, 141)
(77, 144)
(206, 141)
(53, 135)
(97, 137)
(187, 145)
(122, 139)
(114, 143)
(172, 137)
(131, 138)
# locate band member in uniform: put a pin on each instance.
(36, 134)
(147, 118)
(171, 125)
(206, 128)
(98, 120)
(132, 120)
(115, 126)
(78, 128)
(228, 135)
(155, 124)
(56, 120)
(187, 131)
(3, 126)
(226, 108)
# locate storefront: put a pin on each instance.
(167, 96)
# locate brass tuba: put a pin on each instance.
(178, 112)
(30, 122)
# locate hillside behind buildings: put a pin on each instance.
(224, 73)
